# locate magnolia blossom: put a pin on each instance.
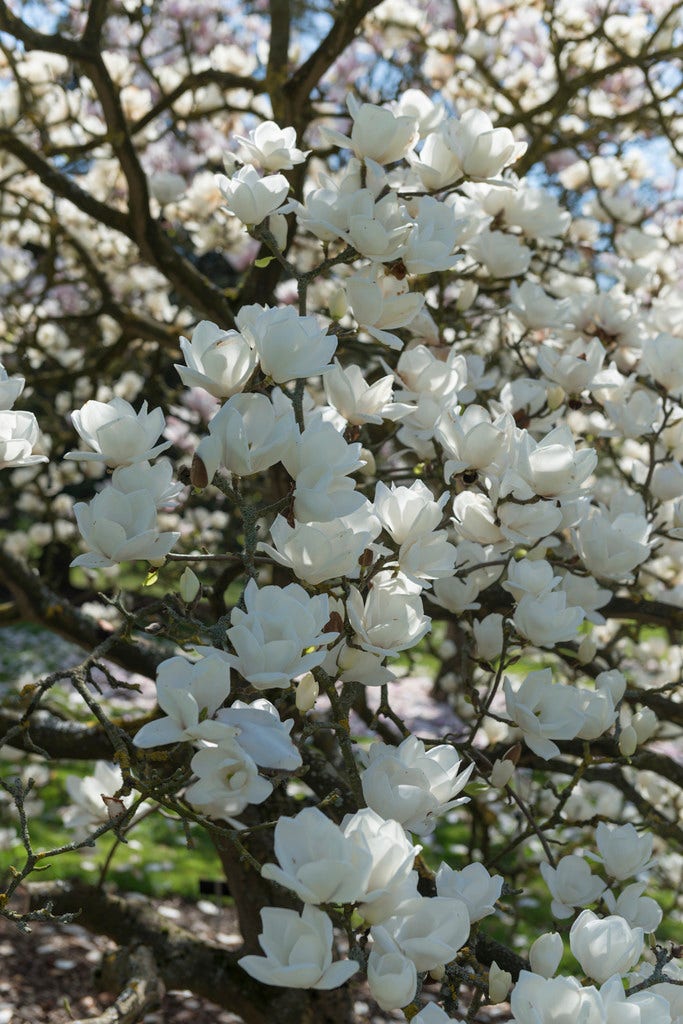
(413, 785)
(219, 361)
(18, 435)
(611, 548)
(392, 879)
(356, 400)
(91, 798)
(545, 954)
(544, 711)
(408, 512)
(10, 388)
(269, 636)
(640, 911)
(663, 359)
(247, 435)
(272, 147)
(623, 851)
(605, 946)
(316, 552)
(117, 434)
(318, 861)
(320, 461)
(156, 479)
(470, 439)
(227, 780)
(555, 1001)
(377, 134)
(287, 345)
(545, 620)
(430, 931)
(120, 527)
(473, 885)
(502, 255)
(189, 693)
(392, 976)
(298, 950)
(251, 198)
(648, 1007)
(571, 884)
(390, 620)
(262, 734)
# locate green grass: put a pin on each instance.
(155, 861)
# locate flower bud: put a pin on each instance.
(501, 773)
(468, 294)
(337, 304)
(188, 586)
(277, 225)
(628, 741)
(306, 692)
(545, 954)
(370, 467)
(500, 982)
(644, 723)
(587, 649)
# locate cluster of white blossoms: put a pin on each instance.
(495, 485)
(120, 523)
(18, 429)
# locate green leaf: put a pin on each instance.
(264, 261)
(152, 577)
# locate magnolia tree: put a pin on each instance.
(356, 334)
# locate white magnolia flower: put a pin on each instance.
(356, 400)
(298, 950)
(502, 255)
(272, 147)
(623, 851)
(663, 359)
(571, 884)
(611, 548)
(287, 345)
(392, 976)
(120, 527)
(189, 693)
(408, 512)
(605, 946)
(392, 855)
(262, 734)
(18, 435)
(10, 388)
(317, 552)
(534, 308)
(545, 954)
(227, 780)
(377, 134)
(469, 439)
(555, 1001)
(648, 1007)
(156, 479)
(320, 460)
(247, 435)
(640, 911)
(251, 198)
(430, 930)
(91, 798)
(391, 619)
(219, 361)
(473, 885)
(546, 620)
(544, 711)
(271, 634)
(117, 433)
(413, 785)
(318, 861)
